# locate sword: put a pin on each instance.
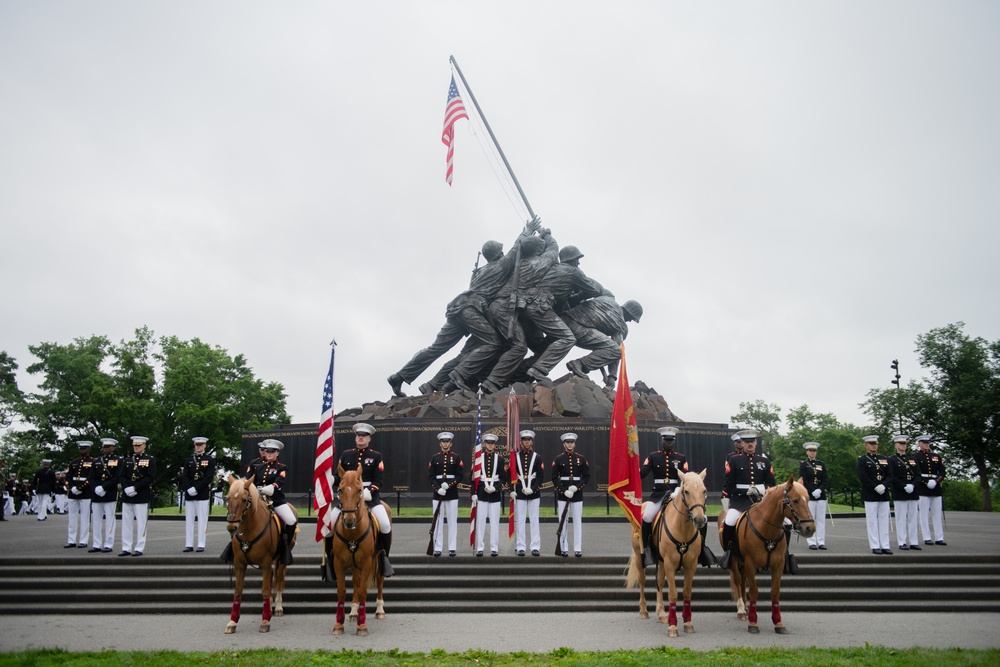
(430, 542)
(562, 522)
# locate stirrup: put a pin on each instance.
(726, 561)
(648, 559)
(706, 558)
(387, 570)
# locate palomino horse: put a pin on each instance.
(256, 537)
(677, 532)
(760, 545)
(353, 546)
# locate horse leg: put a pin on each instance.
(672, 597)
(338, 628)
(779, 627)
(688, 583)
(661, 614)
(751, 576)
(353, 616)
(379, 609)
(278, 588)
(240, 567)
(266, 571)
(360, 595)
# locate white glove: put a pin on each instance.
(267, 490)
(75, 491)
(572, 488)
(368, 495)
(99, 490)
(444, 486)
(569, 492)
(489, 488)
(880, 489)
(513, 495)
(442, 492)
(527, 490)
(908, 488)
(932, 484)
(192, 491)
(131, 492)
(817, 493)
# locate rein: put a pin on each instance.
(769, 544)
(682, 547)
(239, 534)
(352, 545)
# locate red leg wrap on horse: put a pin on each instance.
(362, 614)
(267, 609)
(672, 614)
(340, 613)
(752, 611)
(776, 612)
(235, 615)
(686, 614)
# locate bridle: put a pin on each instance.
(352, 544)
(796, 521)
(234, 523)
(682, 547)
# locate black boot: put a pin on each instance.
(385, 540)
(728, 533)
(326, 567)
(287, 535)
(706, 558)
(227, 554)
(648, 557)
(791, 563)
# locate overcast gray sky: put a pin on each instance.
(793, 191)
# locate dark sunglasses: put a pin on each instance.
(749, 439)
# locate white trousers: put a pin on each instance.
(378, 510)
(877, 520)
(906, 522)
(44, 505)
(818, 509)
(526, 509)
(490, 512)
(575, 514)
(930, 514)
(284, 512)
(134, 517)
(195, 509)
(62, 503)
(102, 524)
(8, 505)
(79, 522)
(450, 507)
(649, 512)
(732, 516)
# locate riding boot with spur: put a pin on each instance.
(791, 563)
(706, 558)
(385, 540)
(648, 557)
(728, 533)
(287, 535)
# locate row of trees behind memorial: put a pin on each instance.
(172, 390)
(167, 389)
(958, 404)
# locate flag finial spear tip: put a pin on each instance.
(333, 342)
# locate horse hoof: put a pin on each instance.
(672, 631)
(781, 630)
(741, 616)
(338, 631)
(231, 628)
(380, 615)
(264, 627)
(753, 629)
(362, 632)
(661, 619)
(643, 614)
(689, 628)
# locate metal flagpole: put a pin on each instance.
(472, 96)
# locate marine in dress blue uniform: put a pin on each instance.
(874, 475)
(905, 474)
(107, 470)
(930, 491)
(816, 479)
(570, 473)
(444, 472)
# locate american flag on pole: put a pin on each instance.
(513, 435)
(326, 450)
(624, 483)
(477, 468)
(454, 111)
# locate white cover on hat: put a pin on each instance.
(83, 443)
(748, 433)
(870, 438)
(109, 441)
(490, 437)
(900, 438)
(139, 439)
(199, 440)
(668, 431)
(734, 437)
(271, 443)
(924, 438)
(527, 434)
(445, 435)
(568, 436)
(362, 427)
(811, 445)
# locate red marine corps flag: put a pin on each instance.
(513, 435)
(624, 483)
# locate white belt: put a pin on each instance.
(658, 481)
(366, 483)
(445, 477)
(742, 486)
(567, 478)
(926, 475)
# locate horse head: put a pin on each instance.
(795, 507)
(239, 499)
(352, 500)
(692, 492)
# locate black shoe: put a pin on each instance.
(877, 552)
(535, 552)
(479, 554)
(887, 552)
(903, 547)
(106, 550)
(396, 383)
(521, 553)
(437, 554)
(136, 553)
(564, 554)
(124, 553)
(494, 554)
(200, 549)
(579, 554)
(916, 547)
(94, 550)
(813, 547)
(791, 563)
(69, 546)
(451, 554)
(928, 541)
(941, 543)
(822, 547)
(81, 546)
(188, 550)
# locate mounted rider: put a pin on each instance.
(269, 477)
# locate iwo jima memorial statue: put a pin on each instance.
(522, 314)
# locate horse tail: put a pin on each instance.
(636, 575)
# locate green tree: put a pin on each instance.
(765, 417)
(11, 399)
(167, 390)
(840, 446)
(959, 404)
